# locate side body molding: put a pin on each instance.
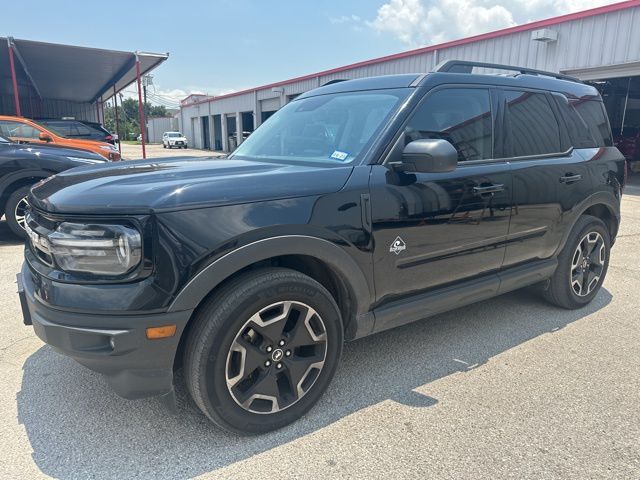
(329, 253)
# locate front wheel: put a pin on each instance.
(16, 210)
(582, 264)
(263, 350)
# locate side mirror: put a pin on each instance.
(44, 137)
(429, 156)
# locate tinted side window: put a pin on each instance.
(460, 115)
(61, 128)
(83, 130)
(595, 116)
(579, 133)
(18, 130)
(531, 126)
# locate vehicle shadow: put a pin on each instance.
(7, 237)
(78, 427)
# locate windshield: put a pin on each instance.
(4, 140)
(332, 129)
(174, 135)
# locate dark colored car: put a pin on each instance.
(21, 166)
(109, 137)
(78, 129)
(358, 207)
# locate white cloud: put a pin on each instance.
(345, 19)
(354, 22)
(156, 95)
(423, 22)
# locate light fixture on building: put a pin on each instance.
(544, 35)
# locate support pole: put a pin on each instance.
(141, 108)
(144, 103)
(97, 112)
(102, 110)
(14, 80)
(115, 105)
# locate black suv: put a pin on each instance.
(21, 166)
(359, 206)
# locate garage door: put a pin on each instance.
(270, 104)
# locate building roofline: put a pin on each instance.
(453, 43)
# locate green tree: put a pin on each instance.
(129, 117)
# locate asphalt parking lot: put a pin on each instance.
(507, 388)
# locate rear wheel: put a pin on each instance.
(582, 265)
(16, 209)
(263, 350)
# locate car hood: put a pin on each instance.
(145, 186)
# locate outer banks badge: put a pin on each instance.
(398, 246)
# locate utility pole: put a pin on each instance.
(146, 81)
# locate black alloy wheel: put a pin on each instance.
(262, 350)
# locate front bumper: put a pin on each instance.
(114, 345)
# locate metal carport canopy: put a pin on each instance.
(73, 73)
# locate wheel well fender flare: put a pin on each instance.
(606, 199)
(18, 177)
(323, 250)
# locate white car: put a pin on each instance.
(174, 139)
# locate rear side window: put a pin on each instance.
(531, 126)
(580, 136)
(595, 116)
(586, 121)
(462, 116)
(61, 128)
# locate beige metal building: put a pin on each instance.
(600, 45)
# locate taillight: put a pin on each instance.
(108, 137)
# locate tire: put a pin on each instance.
(217, 371)
(164, 146)
(579, 277)
(14, 210)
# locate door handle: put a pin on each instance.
(570, 178)
(496, 187)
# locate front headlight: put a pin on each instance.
(95, 248)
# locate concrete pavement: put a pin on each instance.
(507, 388)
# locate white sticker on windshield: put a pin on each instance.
(338, 155)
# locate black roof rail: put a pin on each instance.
(337, 80)
(463, 66)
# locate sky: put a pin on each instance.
(221, 46)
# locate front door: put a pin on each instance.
(435, 229)
(20, 132)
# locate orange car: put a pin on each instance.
(24, 130)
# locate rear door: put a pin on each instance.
(550, 176)
(433, 229)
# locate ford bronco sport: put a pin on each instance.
(360, 206)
